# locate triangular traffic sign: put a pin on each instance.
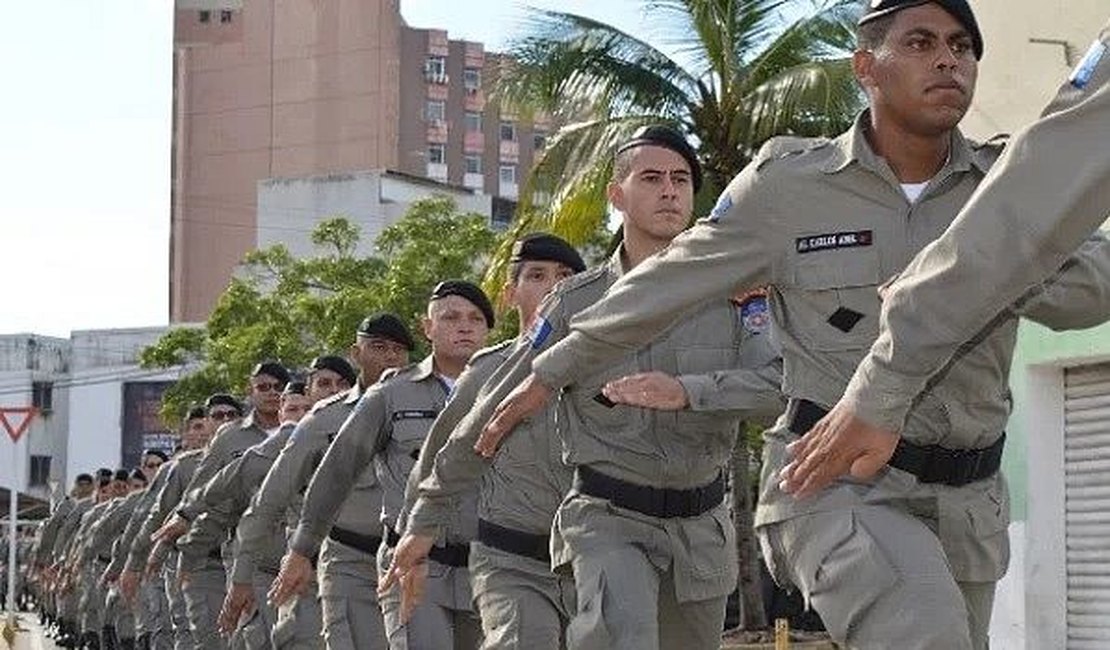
(16, 420)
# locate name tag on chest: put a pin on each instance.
(833, 240)
(414, 414)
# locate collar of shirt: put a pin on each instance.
(852, 146)
(424, 369)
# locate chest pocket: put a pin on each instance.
(410, 426)
(836, 305)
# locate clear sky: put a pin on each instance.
(85, 150)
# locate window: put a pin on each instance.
(42, 396)
(225, 16)
(508, 174)
(473, 164)
(436, 111)
(472, 79)
(473, 122)
(436, 154)
(204, 16)
(40, 470)
(508, 132)
(435, 69)
(539, 140)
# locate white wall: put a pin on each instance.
(289, 209)
(95, 411)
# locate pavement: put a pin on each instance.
(29, 635)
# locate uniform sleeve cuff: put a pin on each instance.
(879, 397)
(696, 387)
(242, 570)
(305, 543)
(555, 368)
(427, 518)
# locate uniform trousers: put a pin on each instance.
(182, 635)
(204, 597)
(442, 621)
(522, 603)
(352, 618)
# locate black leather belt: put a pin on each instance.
(664, 503)
(216, 554)
(456, 555)
(365, 543)
(929, 463)
(513, 541)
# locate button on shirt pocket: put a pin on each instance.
(837, 305)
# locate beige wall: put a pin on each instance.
(283, 89)
(1017, 77)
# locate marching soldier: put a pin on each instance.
(347, 575)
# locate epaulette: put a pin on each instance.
(577, 280)
(329, 400)
(786, 146)
(493, 349)
(190, 453)
(988, 151)
(390, 373)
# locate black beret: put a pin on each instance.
(224, 399)
(959, 9)
(138, 474)
(542, 247)
(387, 326)
(195, 412)
(105, 473)
(83, 478)
(295, 388)
(338, 365)
(661, 135)
(273, 369)
(122, 475)
(157, 452)
(467, 290)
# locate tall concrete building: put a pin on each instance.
(269, 89)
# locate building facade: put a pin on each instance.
(267, 90)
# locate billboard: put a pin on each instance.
(142, 426)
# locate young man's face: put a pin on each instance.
(656, 196)
(136, 484)
(324, 383)
(534, 281)
(82, 489)
(923, 74)
(119, 488)
(294, 407)
(265, 394)
(376, 354)
(151, 465)
(198, 431)
(456, 327)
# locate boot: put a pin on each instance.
(109, 638)
(92, 641)
(127, 643)
(143, 642)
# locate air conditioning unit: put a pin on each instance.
(437, 124)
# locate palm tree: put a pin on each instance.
(750, 70)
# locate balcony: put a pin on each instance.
(509, 151)
(437, 171)
(474, 181)
(437, 131)
(474, 142)
(508, 190)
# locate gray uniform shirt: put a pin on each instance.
(527, 480)
(178, 472)
(68, 529)
(230, 442)
(289, 477)
(387, 428)
(49, 532)
(825, 223)
(1013, 233)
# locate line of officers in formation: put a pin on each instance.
(566, 488)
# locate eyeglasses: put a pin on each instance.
(224, 415)
(268, 386)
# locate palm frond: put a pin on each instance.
(812, 98)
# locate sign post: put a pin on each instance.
(15, 421)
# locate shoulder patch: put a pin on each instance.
(580, 280)
(785, 146)
(538, 333)
(1083, 72)
(724, 204)
(755, 317)
(493, 349)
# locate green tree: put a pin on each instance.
(750, 70)
(745, 71)
(292, 309)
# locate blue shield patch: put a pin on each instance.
(541, 329)
(755, 317)
(1083, 72)
(724, 204)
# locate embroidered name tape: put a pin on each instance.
(414, 415)
(1083, 72)
(829, 241)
